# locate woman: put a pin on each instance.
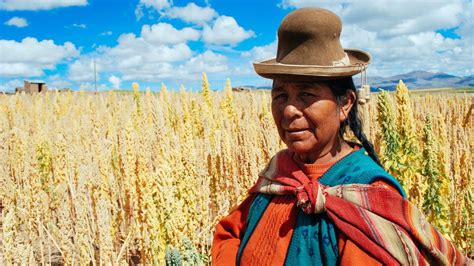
(303, 210)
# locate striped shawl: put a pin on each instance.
(382, 222)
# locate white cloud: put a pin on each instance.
(83, 69)
(147, 57)
(57, 82)
(151, 72)
(192, 13)
(467, 22)
(425, 50)
(17, 22)
(9, 86)
(141, 67)
(115, 81)
(286, 4)
(139, 12)
(208, 61)
(82, 26)
(402, 35)
(20, 69)
(30, 50)
(391, 17)
(90, 86)
(11, 5)
(263, 52)
(30, 57)
(190, 70)
(402, 17)
(157, 5)
(106, 33)
(164, 33)
(133, 51)
(225, 30)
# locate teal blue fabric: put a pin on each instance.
(258, 207)
(314, 240)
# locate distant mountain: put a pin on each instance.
(414, 80)
(251, 87)
(419, 80)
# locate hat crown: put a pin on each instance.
(309, 49)
(310, 36)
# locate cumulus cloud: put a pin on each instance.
(424, 50)
(17, 22)
(151, 72)
(83, 69)
(91, 86)
(391, 17)
(206, 62)
(402, 17)
(156, 5)
(132, 50)
(10, 85)
(115, 82)
(159, 52)
(11, 5)
(164, 33)
(403, 35)
(30, 57)
(140, 67)
(262, 52)
(192, 13)
(225, 30)
(190, 69)
(58, 82)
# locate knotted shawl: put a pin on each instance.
(382, 222)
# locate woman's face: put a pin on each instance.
(307, 117)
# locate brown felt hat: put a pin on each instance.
(309, 48)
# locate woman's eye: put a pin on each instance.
(279, 96)
(307, 94)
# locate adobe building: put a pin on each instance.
(33, 87)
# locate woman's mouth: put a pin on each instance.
(296, 133)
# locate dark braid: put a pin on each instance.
(339, 88)
(356, 126)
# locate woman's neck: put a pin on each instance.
(337, 152)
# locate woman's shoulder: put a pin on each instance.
(358, 168)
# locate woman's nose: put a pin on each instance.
(292, 109)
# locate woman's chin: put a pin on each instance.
(299, 147)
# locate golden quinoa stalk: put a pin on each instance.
(409, 148)
(389, 139)
(435, 211)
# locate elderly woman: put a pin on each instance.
(324, 200)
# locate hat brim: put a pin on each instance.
(271, 69)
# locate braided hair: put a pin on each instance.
(340, 87)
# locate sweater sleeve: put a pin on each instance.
(349, 252)
(229, 232)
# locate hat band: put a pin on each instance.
(343, 62)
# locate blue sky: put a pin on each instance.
(173, 42)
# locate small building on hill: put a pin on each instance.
(33, 87)
(240, 89)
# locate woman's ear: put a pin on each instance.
(346, 105)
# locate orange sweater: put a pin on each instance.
(231, 228)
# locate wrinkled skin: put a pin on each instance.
(308, 117)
